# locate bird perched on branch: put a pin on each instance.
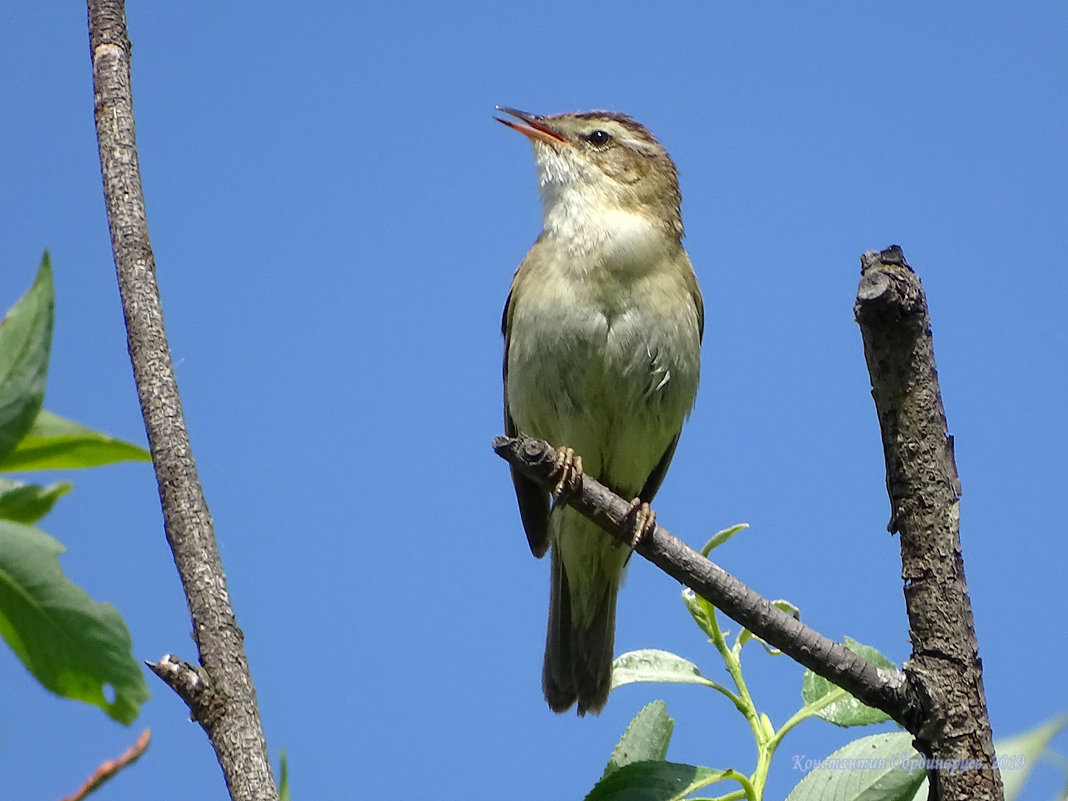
(602, 333)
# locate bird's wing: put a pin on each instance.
(698, 302)
(533, 500)
(656, 478)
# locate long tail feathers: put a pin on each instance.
(578, 660)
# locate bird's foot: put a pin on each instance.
(640, 520)
(569, 469)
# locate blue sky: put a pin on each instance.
(336, 218)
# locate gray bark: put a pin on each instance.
(219, 692)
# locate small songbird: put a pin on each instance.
(602, 333)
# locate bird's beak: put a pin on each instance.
(535, 128)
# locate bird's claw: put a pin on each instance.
(641, 520)
(569, 469)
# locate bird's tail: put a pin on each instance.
(578, 656)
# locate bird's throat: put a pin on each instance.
(597, 235)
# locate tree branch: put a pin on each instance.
(939, 698)
(924, 490)
(228, 713)
(884, 689)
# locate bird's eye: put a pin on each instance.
(598, 138)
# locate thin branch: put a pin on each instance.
(924, 490)
(229, 713)
(109, 769)
(884, 689)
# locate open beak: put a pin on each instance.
(535, 127)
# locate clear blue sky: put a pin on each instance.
(336, 218)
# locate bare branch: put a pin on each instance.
(109, 769)
(924, 489)
(884, 689)
(191, 683)
(229, 713)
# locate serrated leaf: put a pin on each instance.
(653, 781)
(845, 710)
(73, 645)
(646, 739)
(25, 344)
(28, 503)
(1017, 755)
(653, 665)
(880, 767)
(55, 443)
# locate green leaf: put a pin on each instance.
(721, 537)
(1017, 755)
(646, 738)
(283, 776)
(73, 645)
(25, 343)
(652, 665)
(881, 767)
(54, 443)
(653, 781)
(838, 706)
(703, 613)
(28, 503)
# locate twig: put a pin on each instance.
(884, 689)
(229, 713)
(921, 479)
(108, 769)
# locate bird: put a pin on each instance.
(602, 348)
